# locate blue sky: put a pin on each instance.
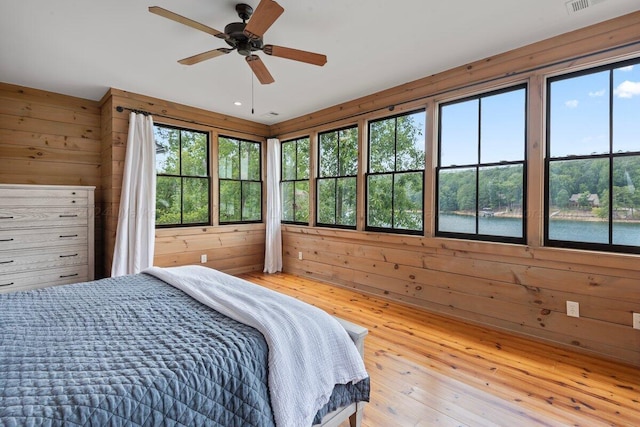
(580, 113)
(579, 120)
(502, 129)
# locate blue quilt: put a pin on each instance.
(132, 351)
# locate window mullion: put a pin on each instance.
(479, 142)
(611, 189)
(181, 179)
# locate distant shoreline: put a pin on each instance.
(556, 215)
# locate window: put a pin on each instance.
(481, 167)
(183, 181)
(336, 185)
(240, 178)
(593, 159)
(295, 181)
(395, 175)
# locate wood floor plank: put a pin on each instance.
(431, 370)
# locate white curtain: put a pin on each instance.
(273, 243)
(136, 220)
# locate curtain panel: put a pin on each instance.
(273, 240)
(135, 236)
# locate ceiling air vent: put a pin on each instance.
(271, 114)
(578, 5)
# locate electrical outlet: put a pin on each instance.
(573, 309)
(299, 255)
(636, 320)
(203, 258)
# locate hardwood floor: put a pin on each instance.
(429, 370)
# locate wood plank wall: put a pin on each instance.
(518, 288)
(230, 248)
(49, 138)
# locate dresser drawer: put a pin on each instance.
(17, 261)
(11, 240)
(42, 202)
(50, 217)
(10, 196)
(39, 278)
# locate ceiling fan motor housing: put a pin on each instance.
(239, 40)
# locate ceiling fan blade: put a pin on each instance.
(263, 17)
(205, 55)
(259, 69)
(186, 21)
(295, 54)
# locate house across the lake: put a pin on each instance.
(592, 199)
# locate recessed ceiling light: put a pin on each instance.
(237, 103)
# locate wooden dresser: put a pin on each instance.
(46, 235)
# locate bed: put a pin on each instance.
(177, 346)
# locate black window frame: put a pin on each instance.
(241, 181)
(610, 156)
(181, 177)
(478, 166)
(394, 173)
(298, 179)
(336, 178)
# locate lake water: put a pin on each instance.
(624, 233)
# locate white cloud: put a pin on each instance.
(627, 89)
(571, 103)
(627, 68)
(597, 93)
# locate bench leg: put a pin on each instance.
(355, 420)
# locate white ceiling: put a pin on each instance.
(83, 47)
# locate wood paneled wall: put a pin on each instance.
(230, 248)
(518, 288)
(49, 138)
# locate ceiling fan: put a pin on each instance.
(246, 38)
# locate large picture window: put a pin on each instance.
(336, 184)
(395, 175)
(240, 179)
(481, 167)
(593, 159)
(295, 181)
(182, 176)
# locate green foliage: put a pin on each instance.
(240, 180)
(397, 158)
(591, 176)
(500, 188)
(295, 180)
(379, 201)
(338, 166)
(396, 144)
(182, 185)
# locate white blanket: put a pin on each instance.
(309, 351)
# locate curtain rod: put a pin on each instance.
(120, 109)
(467, 86)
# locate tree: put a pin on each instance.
(295, 180)
(396, 172)
(182, 185)
(562, 200)
(338, 167)
(240, 180)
